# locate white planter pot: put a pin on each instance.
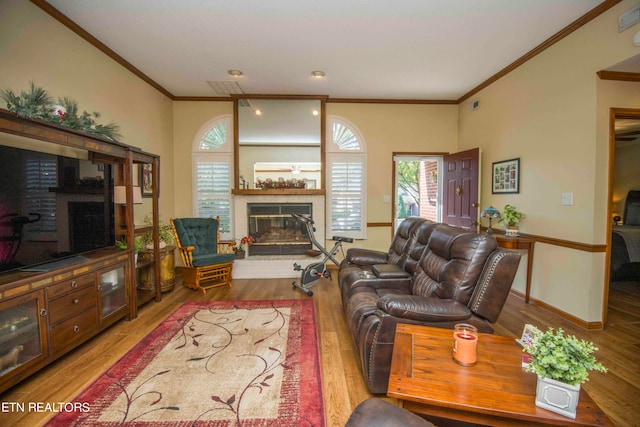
(511, 231)
(557, 397)
(161, 245)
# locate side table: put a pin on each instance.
(495, 392)
(519, 242)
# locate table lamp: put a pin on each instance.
(490, 213)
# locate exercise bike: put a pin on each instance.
(317, 270)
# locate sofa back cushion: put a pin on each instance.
(403, 240)
(420, 242)
(452, 263)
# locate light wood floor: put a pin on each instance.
(617, 392)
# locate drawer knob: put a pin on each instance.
(74, 284)
(76, 329)
(76, 301)
(43, 312)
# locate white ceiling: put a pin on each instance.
(376, 49)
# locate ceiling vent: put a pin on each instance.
(226, 87)
(629, 19)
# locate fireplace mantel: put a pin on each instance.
(278, 192)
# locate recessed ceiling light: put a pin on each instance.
(315, 112)
(318, 74)
(235, 73)
(258, 112)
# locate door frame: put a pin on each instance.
(394, 187)
(614, 114)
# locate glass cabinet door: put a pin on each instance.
(113, 290)
(21, 327)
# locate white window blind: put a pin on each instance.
(213, 192)
(346, 190)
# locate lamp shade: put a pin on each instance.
(491, 213)
(120, 195)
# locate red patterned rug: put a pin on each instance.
(249, 363)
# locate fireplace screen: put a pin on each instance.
(275, 231)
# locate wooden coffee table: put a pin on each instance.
(496, 391)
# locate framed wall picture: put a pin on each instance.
(146, 179)
(506, 177)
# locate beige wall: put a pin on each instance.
(35, 47)
(188, 119)
(551, 114)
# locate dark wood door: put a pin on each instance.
(460, 189)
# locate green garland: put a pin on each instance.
(37, 104)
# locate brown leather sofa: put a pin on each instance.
(442, 276)
(375, 412)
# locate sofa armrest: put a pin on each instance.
(423, 308)
(375, 412)
(389, 271)
(360, 256)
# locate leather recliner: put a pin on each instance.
(448, 276)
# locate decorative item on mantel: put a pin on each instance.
(491, 213)
(241, 251)
(562, 363)
(281, 183)
(511, 217)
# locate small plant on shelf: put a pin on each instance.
(165, 233)
(137, 242)
(511, 217)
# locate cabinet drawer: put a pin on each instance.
(70, 285)
(71, 304)
(74, 330)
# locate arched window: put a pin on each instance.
(213, 172)
(346, 180)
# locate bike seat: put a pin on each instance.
(343, 239)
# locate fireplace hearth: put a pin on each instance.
(275, 231)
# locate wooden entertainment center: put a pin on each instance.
(47, 311)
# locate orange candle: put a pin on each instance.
(465, 344)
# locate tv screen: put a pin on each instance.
(52, 207)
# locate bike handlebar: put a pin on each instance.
(305, 219)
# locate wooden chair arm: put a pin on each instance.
(186, 253)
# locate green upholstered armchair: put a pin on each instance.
(207, 260)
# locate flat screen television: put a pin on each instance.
(53, 208)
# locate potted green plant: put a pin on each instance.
(137, 245)
(165, 234)
(562, 362)
(511, 217)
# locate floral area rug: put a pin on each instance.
(250, 363)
